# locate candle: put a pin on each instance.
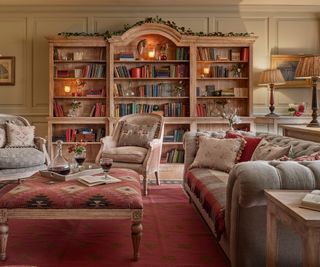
(206, 70)
(67, 89)
(151, 53)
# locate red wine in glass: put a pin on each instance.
(106, 164)
(60, 170)
(80, 160)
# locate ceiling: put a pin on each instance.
(162, 3)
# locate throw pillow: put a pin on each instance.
(2, 136)
(19, 136)
(250, 146)
(311, 157)
(268, 151)
(136, 135)
(219, 154)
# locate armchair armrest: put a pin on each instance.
(40, 144)
(107, 142)
(152, 159)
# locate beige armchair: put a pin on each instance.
(126, 151)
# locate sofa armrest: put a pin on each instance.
(40, 144)
(253, 177)
(107, 142)
(190, 149)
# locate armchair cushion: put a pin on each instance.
(2, 136)
(126, 154)
(19, 136)
(136, 135)
(22, 157)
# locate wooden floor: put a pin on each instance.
(170, 172)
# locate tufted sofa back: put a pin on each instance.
(300, 147)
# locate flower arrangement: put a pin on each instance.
(75, 104)
(296, 109)
(78, 148)
(228, 113)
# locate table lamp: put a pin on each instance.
(271, 77)
(309, 68)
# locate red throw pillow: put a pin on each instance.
(250, 146)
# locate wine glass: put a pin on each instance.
(80, 158)
(106, 164)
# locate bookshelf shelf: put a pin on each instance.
(151, 79)
(223, 78)
(77, 120)
(79, 78)
(221, 97)
(80, 97)
(79, 61)
(150, 61)
(150, 97)
(222, 61)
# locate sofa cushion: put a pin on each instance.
(2, 136)
(268, 151)
(210, 188)
(220, 154)
(23, 157)
(130, 154)
(250, 146)
(136, 135)
(19, 136)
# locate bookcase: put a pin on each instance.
(78, 95)
(149, 68)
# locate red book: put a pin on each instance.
(135, 72)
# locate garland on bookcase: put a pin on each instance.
(182, 30)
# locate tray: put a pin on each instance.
(71, 176)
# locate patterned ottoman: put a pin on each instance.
(42, 198)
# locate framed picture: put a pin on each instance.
(287, 64)
(7, 70)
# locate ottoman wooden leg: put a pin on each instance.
(4, 229)
(136, 232)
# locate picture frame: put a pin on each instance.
(287, 64)
(7, 70)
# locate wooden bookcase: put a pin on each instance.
(77, 73)
(153, 68)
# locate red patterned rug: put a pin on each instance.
(174, 235)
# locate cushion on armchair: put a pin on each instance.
(19, 136)
(22, 157)
(136, 135)
(126, 154)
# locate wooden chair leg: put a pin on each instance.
(145, 185)
(4, 229)
(157, 177)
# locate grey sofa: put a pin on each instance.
(242, 194)
(21, 162)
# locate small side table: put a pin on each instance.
(283, 206)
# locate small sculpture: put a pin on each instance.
(141, 46)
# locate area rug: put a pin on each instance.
(174, 235)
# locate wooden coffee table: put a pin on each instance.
(43, 198)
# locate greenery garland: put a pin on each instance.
(182, 30)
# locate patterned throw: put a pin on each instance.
(39, 192)
(211, 192)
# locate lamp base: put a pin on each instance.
(272, 115)
(314, 124)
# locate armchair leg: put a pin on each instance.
(157, 177)
(145, 185)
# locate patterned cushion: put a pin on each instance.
(128, 154)
(136, 135)
(268, 151)
(13, 158)
(2, 136)
(19, 136)
(42, 193)
(210, 188)
(220, 154)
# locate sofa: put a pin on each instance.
(20, 162)
(234, 205)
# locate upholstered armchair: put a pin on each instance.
(16, 160)
(135, 144)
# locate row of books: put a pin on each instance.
(175, 109)
(206, 110)
(124, 56)
(225, 54)
(150, 71)
(176, 137)
(182, 53)
(131, 108)
(72, 135)
(57, 110)
(173, 156)
(219, 71)
(86, 71)
(98, 110)
(147, 90)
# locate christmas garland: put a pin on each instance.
(182, 30)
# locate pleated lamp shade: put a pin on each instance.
(308, 67)
(273, 76)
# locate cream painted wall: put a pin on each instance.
(281, 30)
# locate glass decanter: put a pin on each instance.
(59, 164)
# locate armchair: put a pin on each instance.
(144, 159)
(21, 162)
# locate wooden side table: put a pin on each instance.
(283, 206)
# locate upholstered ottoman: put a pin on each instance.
(43, 198)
